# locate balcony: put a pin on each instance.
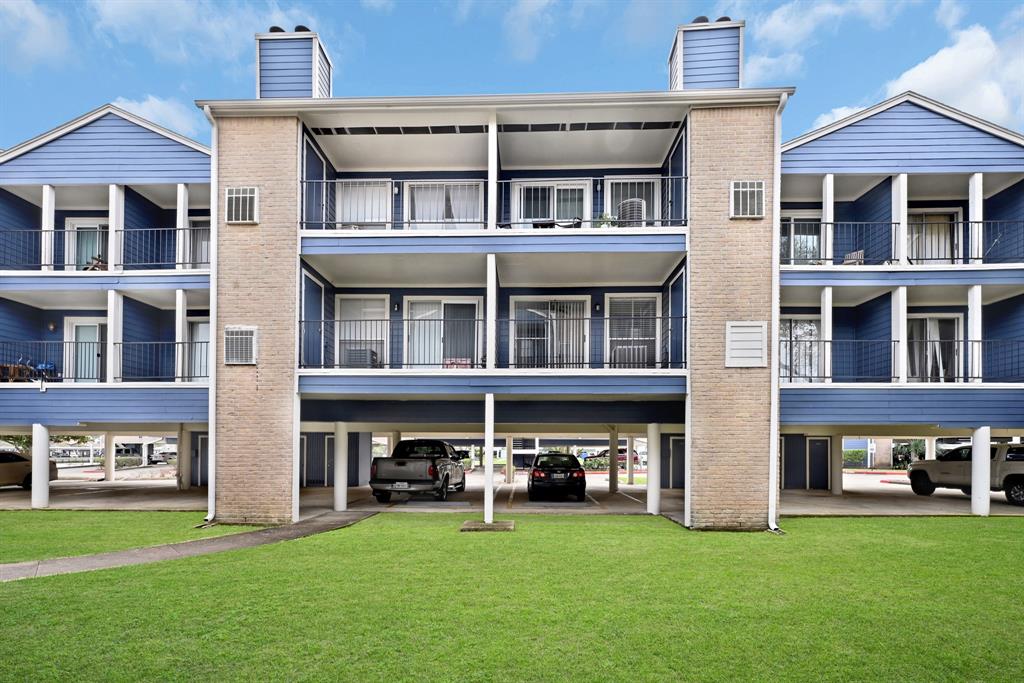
(88, 248)
(527, 343)
(86, 361)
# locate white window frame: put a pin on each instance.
(478, 301)
(389, 219)
(71, 226)
(302, 308)
(407, 205)
(799, 215)
(187, 237)
(256, 205)
(70, 353)
(307, 145)
(518, 222)
(189, 340)
(608, 297)
(655, 211)
(512, 300)
(960, 339)
(758, 184)
(800, 316)
(958, 219)
(338, 298)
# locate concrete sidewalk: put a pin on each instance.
(171, 551)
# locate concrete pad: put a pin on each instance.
(473, 525)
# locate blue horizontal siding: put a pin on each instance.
(1004, 242)
(477, 385)
(494, 244)
(938, 406)
(286, 67)
(110, 149)
(711, 58)
(505, 412)
(77, 281)
(906, 138)
(63, 406)
(852, 277)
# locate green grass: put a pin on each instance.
(41, 534)
(407, 597)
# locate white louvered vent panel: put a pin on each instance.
(239, 345)
(746, 199)
(241, 205)
(746, 344)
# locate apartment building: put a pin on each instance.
(605, 265)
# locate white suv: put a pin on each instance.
(952, 469)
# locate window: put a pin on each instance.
(934, 348)
(746, 344)
(633, 331)
(799, 349)
(542, 205)
(363, 332)
(241, 205)
(633, 202)
(747, 199)
(445, 205)
(1015, 454)
(801, 240)
(363, 204)
(197, 360)
(85, 244)
(443, 333)
(239, 345)
(550, 333)
(933, 237)
(198, 244)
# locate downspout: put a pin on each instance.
(211, 418)
(773, 430)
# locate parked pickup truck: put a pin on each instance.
(952, 469)
(418, 466)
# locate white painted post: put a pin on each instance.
(184, 459)
(613, 459)
(654, 469)
(629, 460)
(115, 304)
(40, 466)
(929, 448)
(340, 466)
(492, 312)
(488, 458)
(828, 217)
(510, 469)
(826, 333)
(182, 236)
(46, 235)
(974, 320)
(180, 333)
(109, 457)
(116, 225)
(976, 214)
(981, 471)
(492, 173)
(899, 333)
(835, 452)
(900, 218)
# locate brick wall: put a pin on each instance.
(256, 285)
(730, 265)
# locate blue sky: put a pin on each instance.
(155, 58)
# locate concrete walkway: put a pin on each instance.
(171, 551)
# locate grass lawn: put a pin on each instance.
(407, 597)
(40, 534)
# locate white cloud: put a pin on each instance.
(32, 34)
(793, 24)
(378, 5)
(762, 69)
(527, 24)
(976, 73)
(950, 13)
(463, 8)
(169, 113)
(834, 115)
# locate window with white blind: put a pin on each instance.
(634, 333)
(444, 206)
(241, 205)
(363, 204)
(747, 199)
(363, 332)
(550, 333)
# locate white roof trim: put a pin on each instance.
(915, 98)
(75, 124)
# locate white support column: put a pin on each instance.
(981, 471)
(929, 448)
(510, 469)
(184, 459)
(974, 320)
(40, 466)
(116, 225)
(835, 452)
(492, 312)
(180, 333)
(181, 233)
(115, 305)
(340, 466)
(393, 441)
(976, 214)
(492, 172)
(654, 469)
(109, 457)
(826, 333)
(46, 236)
(899, 333)
(488, 458)
(828, 217)
(899, 217)
(629, 460)
(613, 459)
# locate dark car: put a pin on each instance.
(557, 473)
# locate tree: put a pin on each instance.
(23, 443)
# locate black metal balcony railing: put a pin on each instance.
(1002, 360)
(82, 361)
(936, 360)
(853, 243)
(852, 360)
(87, 250)
(436, 204)
(458, 343)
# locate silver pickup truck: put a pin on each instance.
(952, 469)
(418, 466)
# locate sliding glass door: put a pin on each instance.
(933, 349)
(442, 334)
(550, 334)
